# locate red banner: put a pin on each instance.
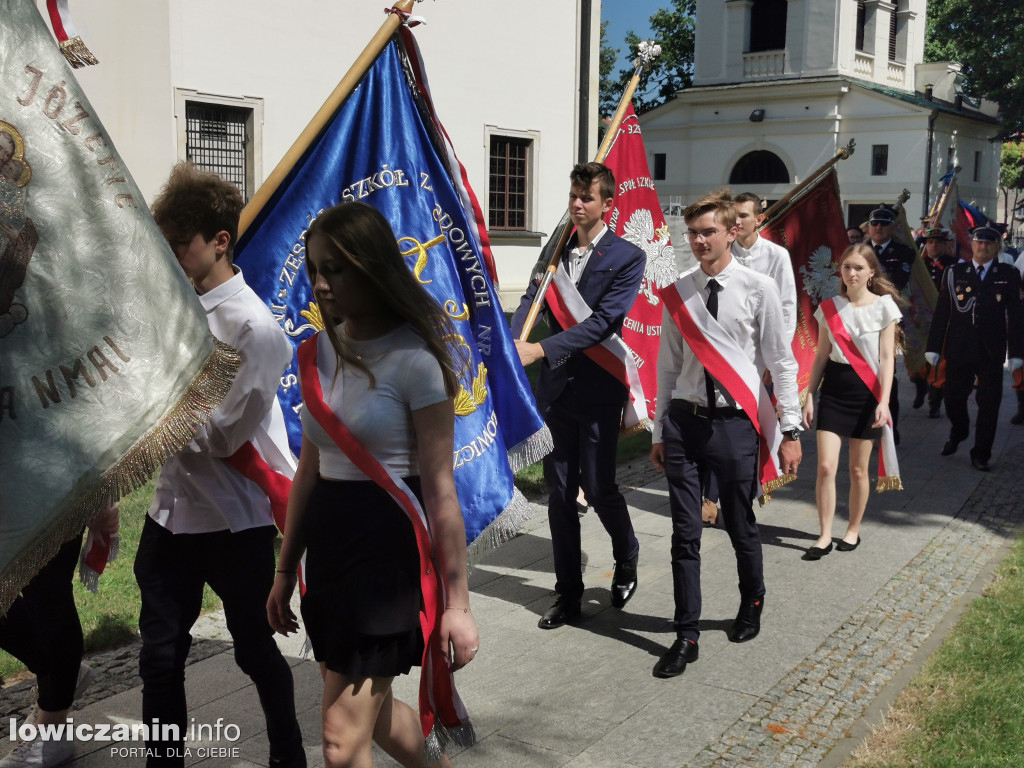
(813, 231)
(637, 218)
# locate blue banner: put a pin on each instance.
(380, 149)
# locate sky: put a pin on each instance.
(624, 15)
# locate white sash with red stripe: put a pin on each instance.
(865, 363)
(442, 714)
(612, 354)
(723, 358)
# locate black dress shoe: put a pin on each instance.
(845, 546)
(981, 465)
(816, 553)
(673, 662)
(748, 620)
(564, 609)
(950, 447)
(624, 581)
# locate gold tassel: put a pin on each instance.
(890, 483)
(202, 395)
(76, 53)
(644, 425)
(771, 486)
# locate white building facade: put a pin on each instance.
(231, 84)
(781, 85)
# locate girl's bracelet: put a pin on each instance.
(457, 608)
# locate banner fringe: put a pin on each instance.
(531, 450)
(503, 528)
(174, 431)
(77, 54)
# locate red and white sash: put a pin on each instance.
(723, 358)
(442, 714)
(865, 363)
(612, 354)
(268, 462)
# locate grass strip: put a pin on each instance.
(966, 707)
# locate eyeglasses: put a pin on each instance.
(877, 223)
(706, 235)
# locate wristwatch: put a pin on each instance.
(792, 434)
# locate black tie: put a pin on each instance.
(981, 272)
(709, 383)
(878, 250)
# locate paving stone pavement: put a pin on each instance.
(839, 638)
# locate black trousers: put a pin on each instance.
(959, 382)
(171, 570)
(726, 445)
(41, 629)
(585, 440)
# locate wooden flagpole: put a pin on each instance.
(647, 53)
(940, 206)
(841, 154)
(324, 114)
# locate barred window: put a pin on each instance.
(217, 140)
(509, 182)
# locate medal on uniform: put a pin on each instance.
(999, 297)
(959, 297)
(968, 289)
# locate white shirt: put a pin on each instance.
(197, 491)
(578, 259)
(866, 322)
(750, 310)
(406, 376)
(773, 260)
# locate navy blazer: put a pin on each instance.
(609, 284)
(984, 331)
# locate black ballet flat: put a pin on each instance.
(816, 553)
(845, 546)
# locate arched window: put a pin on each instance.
(759, 167)
(768, 25)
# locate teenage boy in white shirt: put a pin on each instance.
(208, 523)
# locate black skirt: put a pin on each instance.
(362, 602)
(846, 405)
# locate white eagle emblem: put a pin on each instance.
(820, 279)
(661, 257)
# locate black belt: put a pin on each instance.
(702, 411)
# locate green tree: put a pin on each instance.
(985, 36)
(673, 30)
(1011, 179)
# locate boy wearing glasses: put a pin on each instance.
(723, 327)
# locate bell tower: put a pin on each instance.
(746, 41)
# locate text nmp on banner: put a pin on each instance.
(383, 147)
(107, 365)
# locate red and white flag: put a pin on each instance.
(637, 218)
(813, 231)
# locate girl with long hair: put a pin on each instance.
(857, 337)
(382, 371)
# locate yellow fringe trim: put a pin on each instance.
(204, 393)
(76, 53)
(644, 425)
(890, 483)
(771, 486)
